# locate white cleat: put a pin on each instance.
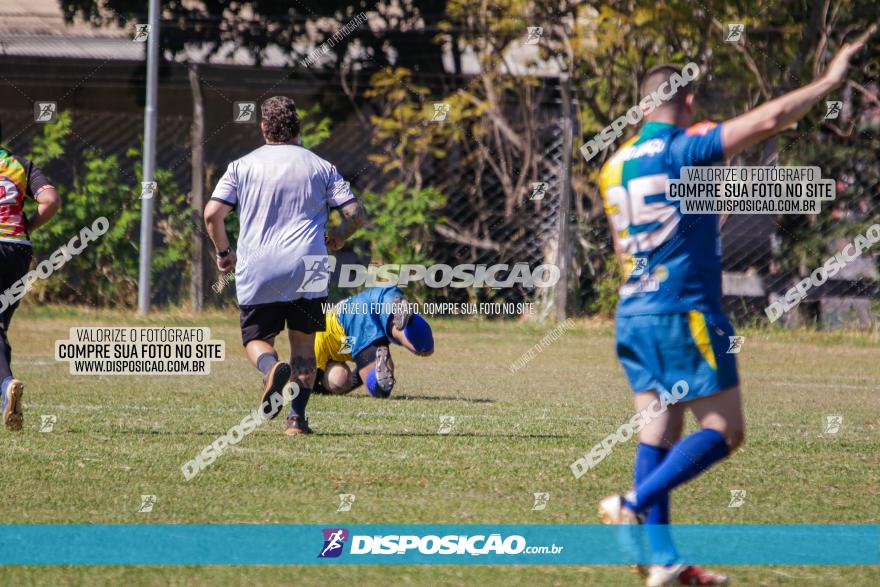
(612, 511)
(659, 576)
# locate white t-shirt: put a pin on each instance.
(282, 194)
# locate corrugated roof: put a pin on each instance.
(70, 47)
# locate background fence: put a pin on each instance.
(460, 189)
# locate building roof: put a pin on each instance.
(36, 28)
(45, 17)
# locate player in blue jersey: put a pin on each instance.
(669, 325)
(360, 329)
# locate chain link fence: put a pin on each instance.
(764, 256)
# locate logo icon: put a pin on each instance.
(541, 500)
(141, 33)
(832, 109)
(47, 422)
(447, 423)
(534, 35)
(345, 344)
(45, 112)
(539, 190)
(244, 112)
(346, 500)
(147, 503)
(736, 344)
(833, 424)
(148, 190)
(317, 274)
(737, 498)
(334, 540)
(441, 109)
(735, 32)
(639, 266)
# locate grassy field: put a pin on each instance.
(119, 437)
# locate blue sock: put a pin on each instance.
(418, 332)
(298, 404)
(266, 361)
(373, 385)
(688, 458)
(648, 459)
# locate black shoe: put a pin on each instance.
(273, 387)
(296, 425)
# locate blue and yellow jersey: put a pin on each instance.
(331, 345)
(355, 323)
(672, 260)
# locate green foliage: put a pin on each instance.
(607, 287)
(401, 223)
(106, 271)
(315, 128)
(50, 145)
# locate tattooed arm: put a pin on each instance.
(353, 217)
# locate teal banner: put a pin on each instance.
(227, 544)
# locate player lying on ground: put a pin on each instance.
(361, 329)
(18, 178)
(282, 193)
(669, 323)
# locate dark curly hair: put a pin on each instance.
(280, 120)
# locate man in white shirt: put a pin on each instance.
(282, 194)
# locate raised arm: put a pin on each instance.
(766, 120)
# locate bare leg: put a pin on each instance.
(665, 430)
(302, 358)
(255, 348)
(723, 413)
(337, 378)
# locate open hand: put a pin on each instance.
(836, 71)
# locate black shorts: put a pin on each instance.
(15, 261)
(265, 321)
(368, 355)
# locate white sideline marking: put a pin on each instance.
(100, 407)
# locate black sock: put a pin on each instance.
(356, 380)
(298, 404)
(266, 361)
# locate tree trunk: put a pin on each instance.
(197, 191)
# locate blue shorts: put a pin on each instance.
(366, 317)
(658, 350)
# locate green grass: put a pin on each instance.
(118, 437)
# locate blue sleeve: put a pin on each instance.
(698, 145)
